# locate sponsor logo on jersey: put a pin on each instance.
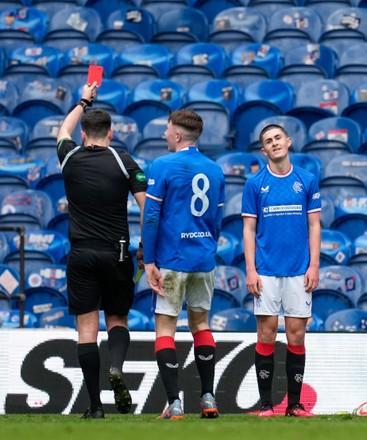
(197, 234)
(151, 182)
(265, 190)
(316, 196)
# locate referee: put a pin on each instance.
(100, 269)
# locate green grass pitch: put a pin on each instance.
(147, 426)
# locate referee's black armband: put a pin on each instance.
(83, 104)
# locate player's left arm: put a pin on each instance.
(314, 242)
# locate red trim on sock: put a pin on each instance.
(264, 349)
(164, 342)
(204, 337)
(297, 349)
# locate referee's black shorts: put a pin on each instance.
(97, 280)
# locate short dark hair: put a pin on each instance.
(96, 123)
(271, 127)
(190, 121)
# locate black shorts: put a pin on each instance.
(96, 280)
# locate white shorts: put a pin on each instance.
(196, 287)
(283, 292)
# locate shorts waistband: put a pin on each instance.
(95, 243)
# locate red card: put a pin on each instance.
(95, 73)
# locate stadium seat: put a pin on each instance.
(149, 54)
(234, 184)
(205, 54)
(133, 74)
(132, 19)
(155, 128)
(352, 69)
(50, 7)
(215, 90)
(8, 99)
(276, 92)
(300, 19)
(151, 148)
(248, 21)
(28, 20)
(286, 39)
(326, 7)
(240, 163)
(57, 317)
(265, 56)
(91, 53)
(4, 246)
(119, 39)
(145, 110)
(77, 21)
(189, 74)
(351, 165)
(137, 321)
(9, 285)
(53, 185)
(336, 248)
(158, 7)
(229, 39)
(327, 211)
(227, 249)
(43, 299)
(327, 301)
(319, 99)
(236, 319)
(243, 75)
(26, 167)
(357, 109)
(307, 162)
(60, 223)
(353, 225)
(112, 96)
(34, 260)
(48, 275)
(12, 38)
(340, 188)
(49, 97)
(11, 319)
(125, 132)
(350, 320)
(215, 137)
(295, 128)
(51, 58)
(232, 221)
(162, 90)
(232, 280)
(143, 298)
(14, 131)
(187, 20)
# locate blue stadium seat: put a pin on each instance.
(174, 40)
(48, 275)
(151, 148)
(359, 251)
(51, 242)
(232, 221)
(9, 184)
(162, 90)
(215, 90)
(347, 17)
(353, 225)
(249, 114)
(76, 21)
(137, 321)
(8, 97)
(352, 69)
(340, 188)
(229, 39)
(287, 39)
(133, 74)
(125, 132)
(60, 223)
(12, 38)
(43, 299)
(112, 96)
(50, 7)
(301, 19)
(274, 91)
(232, 280)
(328, 301)
(227, 249)
(91, 53)
(16, 131)
(326, 7)
(309, 163)
(350, 320)
(51, 58)
(236, 319)
(240, 163)
(234, 184)
(26, 167)
(105, 9)
(34, 260)
(145, 110)
(243, 75)
(4, 246)
(189, 74)
(352, 205)
(28, 20)
(327, 211)
(53, 185)
(57, 317)
(215, 137)
(158, 7)
(155, 128)
(205, 54)
(9, 285)
(351, 165)
(357, 109)
(188, 20)
(336, 248)
(152, 55)
(239, 18)
(265, 56)
(295, 128)
(119, 39)
(143, 298)
(320, 99)
(31, 202)
(11, 319)
(49, 97)
(138, 21)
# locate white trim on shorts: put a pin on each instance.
(196, 287)
(287, 293)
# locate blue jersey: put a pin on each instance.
(183, 212)
(281, 203)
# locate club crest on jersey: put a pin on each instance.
(297, 187)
